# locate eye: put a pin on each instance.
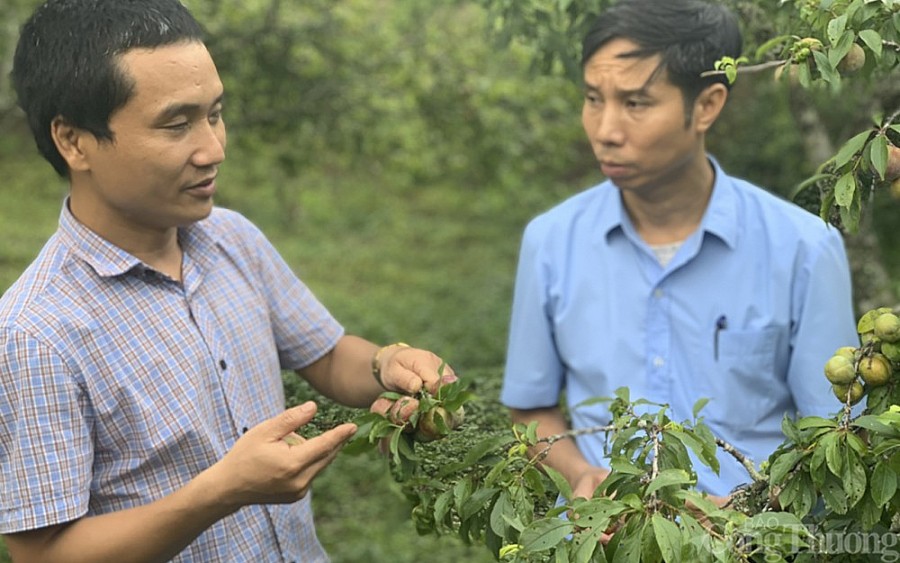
(215, 116)
(637, 103)
(177, 127)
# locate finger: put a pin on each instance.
(382, 406)
(446, 378)
(402, 409)
(404, 379)
(411, 369)
(286, 422)
(316, 453)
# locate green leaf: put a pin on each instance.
(442, 506)
(879, 154)
(705, 454)
(534, 479)
(834, 454)
(853, 477)
(783, 464)
(650, 552)
(563, 486)
(629, 546)
(476, 501)
(624, 465)
(836, 28)
(807, 497)
(839, 49)
(598, 512)
(545, 533)
(782, 521)
(850, 148)
(884, 484)
(817, 467)
(668, 478)
(826, 68)
(873, 40)
(808, 422)
(698, 406)
(808, 182)
(869, 512)
(587, 545)
(834, 495)
(668, 537)
(476, 453)
(845, 189)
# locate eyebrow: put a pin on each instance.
(642, 91)
(173, 110)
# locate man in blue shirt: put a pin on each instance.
(671, 278)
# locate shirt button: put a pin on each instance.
(658, 293)
(658, 362)
(222, 364)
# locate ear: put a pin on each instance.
(708, 106)
(70, 142)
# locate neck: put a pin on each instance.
(671, 212)
(155, 247)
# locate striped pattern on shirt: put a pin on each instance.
(118, 385)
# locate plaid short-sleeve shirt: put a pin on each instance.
(118, 385)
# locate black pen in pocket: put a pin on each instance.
(721, 324)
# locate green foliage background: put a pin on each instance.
(393, 153)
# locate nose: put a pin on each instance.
(603, 124)
(210, 150)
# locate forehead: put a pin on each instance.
(612, 64)
(179, 72)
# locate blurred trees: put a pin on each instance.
(413, 139)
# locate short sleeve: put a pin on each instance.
(46, 450)
(824, 321)
(533, 376)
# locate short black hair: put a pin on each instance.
(689, 35)
(66, 61)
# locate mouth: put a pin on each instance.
(203, 188)
(613, 169)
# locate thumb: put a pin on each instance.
(286, 422)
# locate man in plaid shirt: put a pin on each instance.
(142, 414)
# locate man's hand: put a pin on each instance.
(588, 481)
(272, 464)
(400, 410)
(409, 370)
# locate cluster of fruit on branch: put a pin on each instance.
(855, 370)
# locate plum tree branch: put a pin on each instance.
(744, 460)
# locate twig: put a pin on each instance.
(577, 432)
(745, 461)
(654, 465)
(747, 69)
(550, 440)
(889, 121)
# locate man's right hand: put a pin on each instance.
(586, 483)
(271, 464)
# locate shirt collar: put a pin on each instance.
(720, 218)
(108, 260)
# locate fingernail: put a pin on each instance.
(308, 406)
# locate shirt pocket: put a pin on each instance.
(740, 378)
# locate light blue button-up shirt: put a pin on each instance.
(746, 314)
